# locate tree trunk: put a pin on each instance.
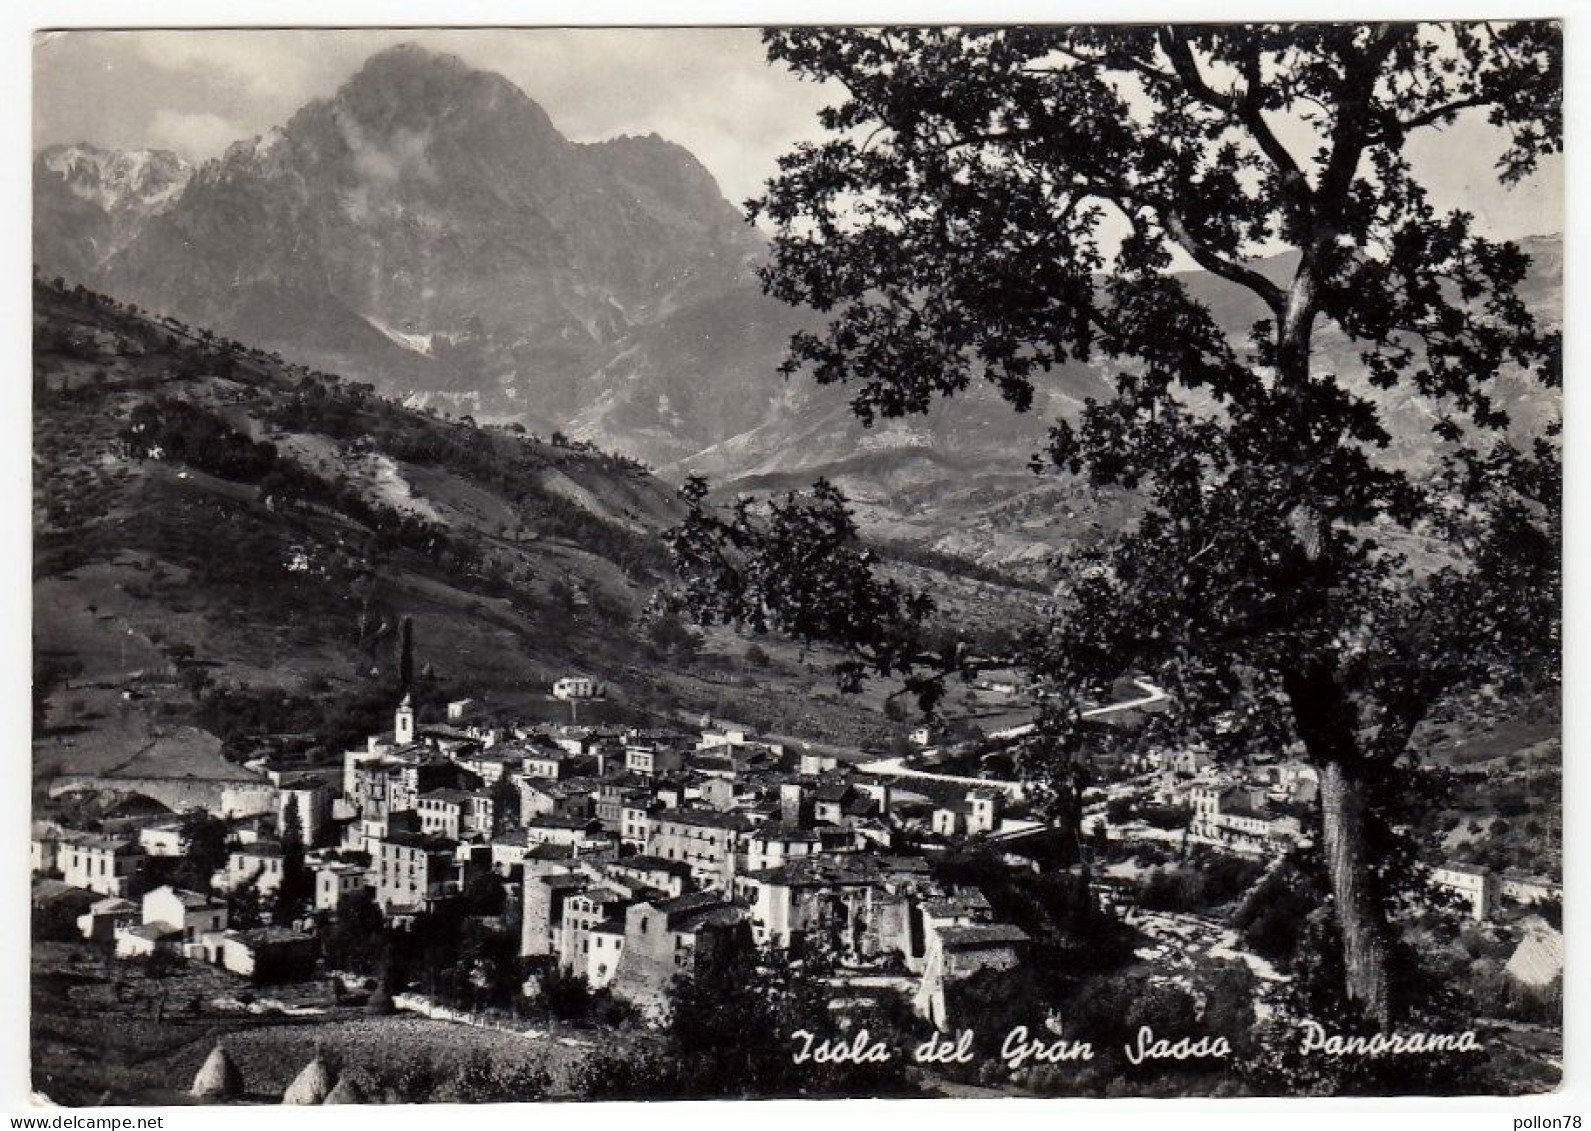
(1359, 912)
(1328, 725)
(1327, 721)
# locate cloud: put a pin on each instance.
(382, 167)
(196, 136)
(264, 68)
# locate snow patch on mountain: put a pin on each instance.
(415, 343)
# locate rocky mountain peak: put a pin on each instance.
(411, 88)
(427, 226)
(114, 180)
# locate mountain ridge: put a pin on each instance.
(428, 229)
(437, 201)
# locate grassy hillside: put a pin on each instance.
(207, 516)
(226, 546)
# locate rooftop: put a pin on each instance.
(552, 852)
(266, 936)
(452, 796)
(260, 848)
(112, 905)
(154, 932)
(645, 863)
(781, 831)
(564, 881)
(726, 916)
(981, 935)
(1519, 877)
(839, 868)
(421, 841)
(559, 821)
(47, 892)
(194, 900)
(691, 901)
(99, 842)
(706, 818)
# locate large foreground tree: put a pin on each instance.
(996, 205)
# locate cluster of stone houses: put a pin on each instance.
(637, 922)
(1480, 890)
(1250, 809)
(194, 925)
(1481, 893)
(1242, 815)
(637, 854)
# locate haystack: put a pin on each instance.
(313, 1085)
(218, 1078)
(346, 1092)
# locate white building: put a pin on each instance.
(100, 864)
(336, 881)
(1474, 885)
(575, 687)
(260, 863)
(983, 810)
(313, 802)
(163, 840)
(190, 913)
(1521, 887)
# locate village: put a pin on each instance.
(634, 855)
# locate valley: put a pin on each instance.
(228, 544)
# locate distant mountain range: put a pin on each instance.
(429, 229)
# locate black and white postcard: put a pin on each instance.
(796, 563)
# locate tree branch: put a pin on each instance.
(1115, 59)
(1353, 133)
(1245, 110)
(1230, 270)
(1397, 127)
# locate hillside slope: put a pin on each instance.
(207, 516)
(956, 478)
(226, 546)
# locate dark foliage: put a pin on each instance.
(354, 938)
(1274, 915)
(1201, 885)
(731, 1033)
(950, 228)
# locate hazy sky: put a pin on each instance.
(709, 89)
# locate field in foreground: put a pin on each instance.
(98, 1037)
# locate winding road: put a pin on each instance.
(896, 767)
